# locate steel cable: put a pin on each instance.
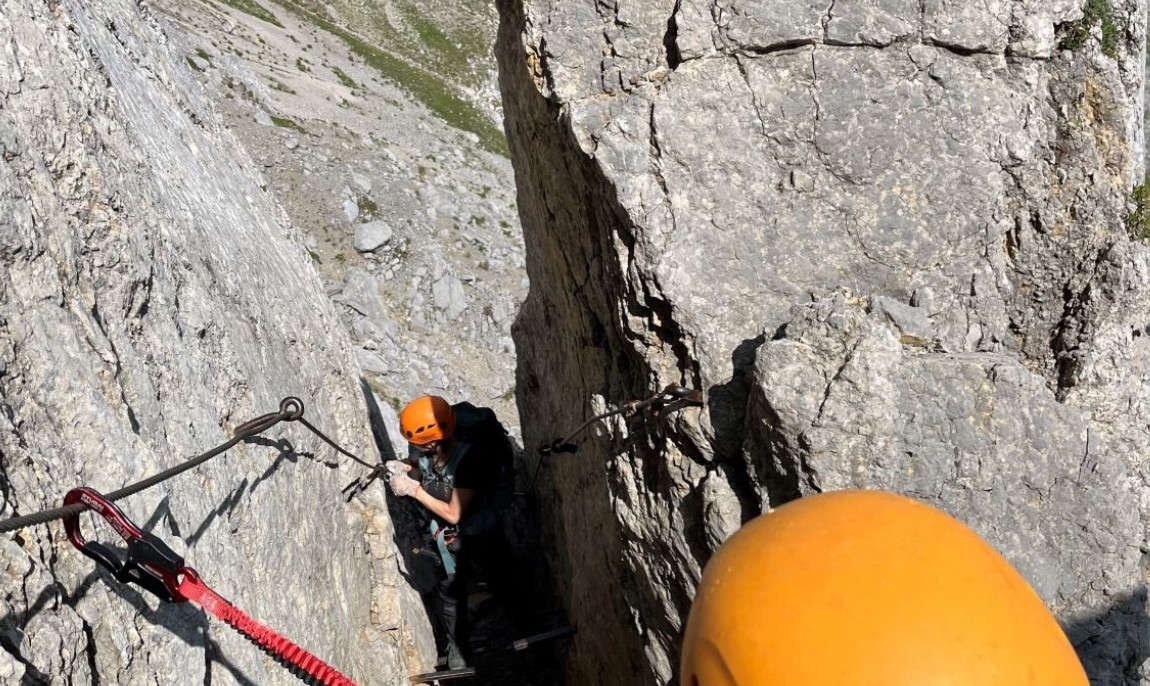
(291, 409)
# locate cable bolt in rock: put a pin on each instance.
(152, 565)
(671, 398)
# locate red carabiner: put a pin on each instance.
(149, 562)
(156, 567)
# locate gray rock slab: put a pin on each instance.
(448, 296)
(371, 362)
(361, 293)
(153, 301)
(700, 174)
(372, 236)
(362, 183)
(350, 209)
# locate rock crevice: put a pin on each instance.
(922, 203)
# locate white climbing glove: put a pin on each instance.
(402, 484)
(395, 467)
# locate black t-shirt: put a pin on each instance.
(468, 473)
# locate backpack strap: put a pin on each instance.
(440, 533)
(427, 470)
(461, 449)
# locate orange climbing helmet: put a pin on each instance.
(427, 419)
(866, 587)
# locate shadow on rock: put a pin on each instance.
(408, 525)
(727, 406)
(375, 420)
(1113, 644)
(286, 453)
(187, 622)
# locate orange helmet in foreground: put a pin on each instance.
(865, 587)
(427, 419)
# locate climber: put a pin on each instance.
(868, 587)
(454, 479)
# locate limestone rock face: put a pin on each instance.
(151, 300)
(886, 238)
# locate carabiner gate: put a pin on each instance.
(149, 562)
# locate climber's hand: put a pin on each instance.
(395, 467)
(402, 484)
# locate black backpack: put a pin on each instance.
(490, 443)
(487, 442)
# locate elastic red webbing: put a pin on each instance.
(193, 589)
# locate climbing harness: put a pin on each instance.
(446, 539)
(153, 566)
(671, 398)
